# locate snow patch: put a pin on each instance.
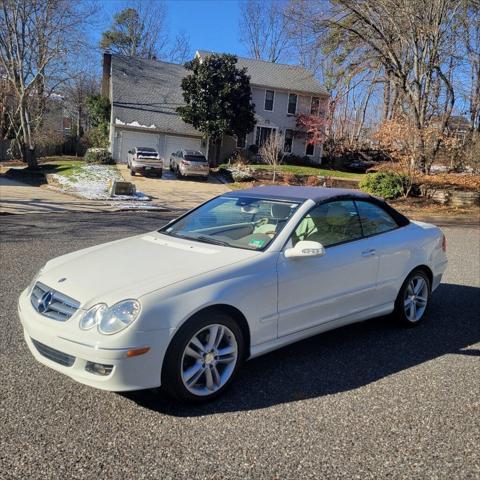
(93, 183)
(134, 124)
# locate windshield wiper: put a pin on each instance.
(214, 241)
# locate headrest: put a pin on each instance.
(337, 216)
(280, 211)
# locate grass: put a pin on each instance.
(308, 171)
(66, 168)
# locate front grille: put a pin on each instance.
(58, 307)
(54, 355)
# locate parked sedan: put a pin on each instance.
(241, 275)
(189, 163)
(144, 160)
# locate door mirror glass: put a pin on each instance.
(305, 248)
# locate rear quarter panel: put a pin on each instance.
(403, 250)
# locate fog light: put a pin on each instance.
(99, 368)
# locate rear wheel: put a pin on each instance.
(413, 299)
(132, 172)
(203, 358)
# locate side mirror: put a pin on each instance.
(305, 248)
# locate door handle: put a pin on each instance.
(368, 253)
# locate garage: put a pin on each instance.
(130, 140)
(174, 143)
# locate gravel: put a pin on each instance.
(367, 401)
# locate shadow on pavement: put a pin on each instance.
(343, 359)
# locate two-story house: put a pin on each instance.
(146, 93)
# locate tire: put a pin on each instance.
(171, 167)
(211, 375)
(132, 172)
(160, 173)
(411, 305)
(178, 173)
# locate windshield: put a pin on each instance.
(240, 222)
(195, 158)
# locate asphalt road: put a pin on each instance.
(367, 401)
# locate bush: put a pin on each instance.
(98, 155)
(385, 184)
(314, 181)
(234, 174)
(290, 178)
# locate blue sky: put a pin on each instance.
(211, 24)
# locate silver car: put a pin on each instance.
(189, 163)
(144, 160)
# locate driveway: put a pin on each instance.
(17, 197)
(172, 193)
(367, 401)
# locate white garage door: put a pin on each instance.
(131, 140)
(173, 144)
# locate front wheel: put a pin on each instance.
(413, 299)
(203, 358)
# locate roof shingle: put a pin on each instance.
(278, 75)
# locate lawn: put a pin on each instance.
(308, 171)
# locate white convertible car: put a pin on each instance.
(241, 275)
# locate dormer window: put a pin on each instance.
(269, 97)
(292, 104)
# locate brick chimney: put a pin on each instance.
(107, 73)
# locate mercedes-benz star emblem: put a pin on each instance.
(45, 301)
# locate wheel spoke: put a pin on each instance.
(192, 353)
(209, 379)
(413, 311)
(421, 301)
(192, 371)
(195, 341)
(212, 336)
(419, 286)
(216, 376)
(218, 339)
(407, 303)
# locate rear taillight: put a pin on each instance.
(444, 243)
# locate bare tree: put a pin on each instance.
(264, 29)
(272, 152)
(181, 50)
(75, 94)
(36, 37)
(413, 44)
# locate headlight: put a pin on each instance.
(118, 317)
(112, 319)
(92, 316)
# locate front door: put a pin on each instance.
(315, 290)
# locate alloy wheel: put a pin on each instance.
(209, 360)
(416, 298)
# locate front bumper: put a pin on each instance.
(127, 373)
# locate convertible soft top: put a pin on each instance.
(317, 194)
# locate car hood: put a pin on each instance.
(133, 267)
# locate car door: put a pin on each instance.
(316, 290)
(390, 244)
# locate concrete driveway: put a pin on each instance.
(172, 193)
(17, 197)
